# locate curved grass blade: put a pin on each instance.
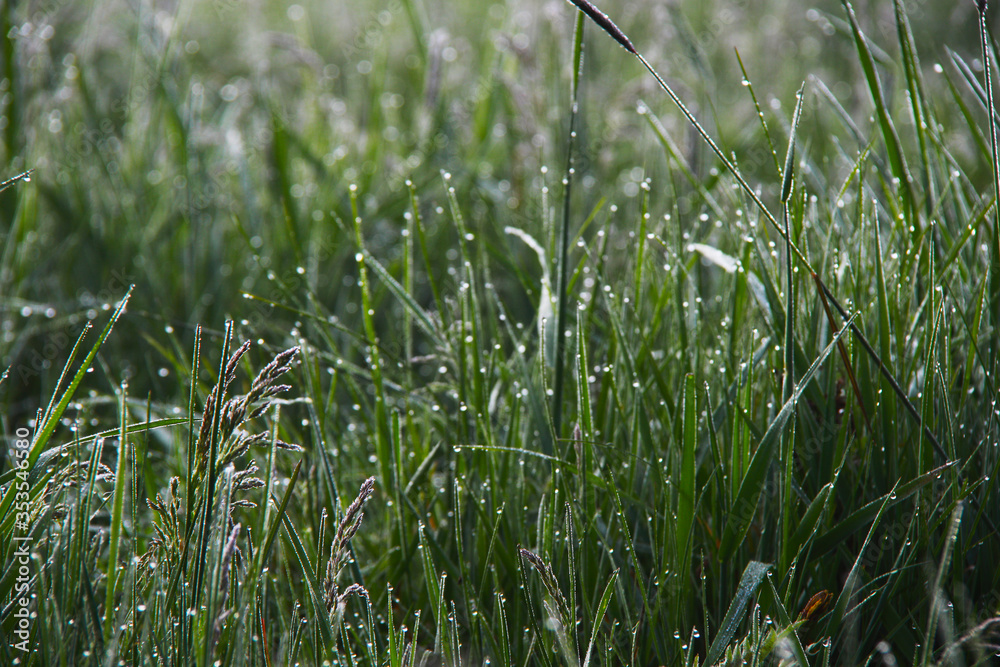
(859, 518)
(753, 575)
(602, 608)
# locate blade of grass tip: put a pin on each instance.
(788, 437)
(840, 608)
(752, 486)
(23, 176)
(790, 310)
(563, 256)
(756, 106)
(752, 577)
(412, 308)
(787, 172)
(887, 400)
(809, 522)
(536, 626)
(117, 512)
(849, 525)
(504, 635)
(430, 573)
(408, 285)
(53, 414)
(440, 630)
(599, 613)
(586, 420)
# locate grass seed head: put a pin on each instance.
(601, 19)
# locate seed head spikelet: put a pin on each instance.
(347, 529)
(601, 19)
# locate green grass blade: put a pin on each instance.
(320, 612)
(602, 608)
(745, 505)
(896, 158)
(863, 515)
(686, 489)
(53, 415)
(937, 597)
(117, 513)
(752, 577)
(562, 258)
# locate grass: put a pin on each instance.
(378, 383)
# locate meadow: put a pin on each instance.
(409, 332)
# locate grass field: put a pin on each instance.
(458, 333)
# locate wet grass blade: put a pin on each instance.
(896, 158)
(117, 513)
(562, 259)
(863, 515)
(688, 473)
(602, 608)
(752, 577)
(745, 505)
(55, 412)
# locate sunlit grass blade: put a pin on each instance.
(896, 158)
(750, 581)
(55, 411)
(599, 613)
(122, 480)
